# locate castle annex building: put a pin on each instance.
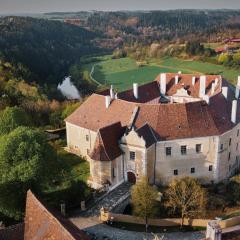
(178, 124)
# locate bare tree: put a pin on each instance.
(186, 196)
(144, 199)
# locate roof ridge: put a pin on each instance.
(47, 211)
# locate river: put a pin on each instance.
(68, 89)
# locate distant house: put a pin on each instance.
(177, 125)
(42, 223)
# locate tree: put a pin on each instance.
(11, 118)
(26, 161)
(144, 199)
(233, 189)
(186, 197)
(224, 58)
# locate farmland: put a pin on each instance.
(123, 72)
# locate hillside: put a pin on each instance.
(46, 48)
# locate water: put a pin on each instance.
(68, 89)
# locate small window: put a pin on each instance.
(237, 132)
(210, 168)
(168, 151)
(237, 146)
(229, 156)
(113, 173)
(230, 141)
(198, 148)
(221, 147)
(175, 172)
(192, 170)
(87, 138)
(184, 150)
(132, 155)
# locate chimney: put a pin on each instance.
(193, 80)
(116, 96)
(206, 98)
(216, 81)
(238, 82)
(163, 79)
(225, 91)
(202, 88)
(135, 90)
(234, 111)
(237, 92)
(179, 72)
(237, 88)
(111, 92)
(107, 101)
(213, 88)
(176, 79)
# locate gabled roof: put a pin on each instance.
(106, 147)
(146, 132)
(93, 114)
(41, 223)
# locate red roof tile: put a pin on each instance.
(41, 223)
(106, 147)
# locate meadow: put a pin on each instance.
(123, 72)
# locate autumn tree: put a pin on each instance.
(144, 199)
(186, 197)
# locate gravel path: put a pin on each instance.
(102, 231)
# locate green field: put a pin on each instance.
(122, 73)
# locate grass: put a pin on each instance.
(69, 184)
(122, 73)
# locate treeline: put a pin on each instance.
(175, 25)
(45, 48)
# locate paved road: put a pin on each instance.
(102, 231)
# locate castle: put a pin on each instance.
(177, 125)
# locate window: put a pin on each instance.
(175, 172)
(113, 173)
(230, 140)
(237, 132)
(198, 148)
(192, 170)
(87, 138)
(168, 151)
(237, 146)
(184, 150)
(229, 156)
(210, 168)
(132, 155)
(221, 147)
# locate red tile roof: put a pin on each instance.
(41, 223)
(147, 133)
(168, 121)
(106, 147)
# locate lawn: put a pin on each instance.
(69, 184)
(122, 73)
(197, 66)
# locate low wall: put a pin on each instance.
(166, 222)
(229, 222)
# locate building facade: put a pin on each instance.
(177, 125)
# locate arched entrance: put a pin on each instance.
(131, 177)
